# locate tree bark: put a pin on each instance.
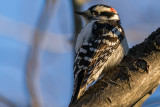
(137, 75)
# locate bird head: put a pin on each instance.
(99, 12)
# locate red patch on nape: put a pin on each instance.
(114, 11)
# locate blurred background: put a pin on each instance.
(36, 46)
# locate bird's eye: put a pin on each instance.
(95, 13)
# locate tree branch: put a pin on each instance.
(32, 67)
(6, 102)
(137, 75)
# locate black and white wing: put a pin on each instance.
(93, 53)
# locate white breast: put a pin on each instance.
(112, 61)
(117, 55)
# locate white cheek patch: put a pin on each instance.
(115, 17)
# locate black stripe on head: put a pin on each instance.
(107, 14)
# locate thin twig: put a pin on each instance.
(6, 101)
(32, 72)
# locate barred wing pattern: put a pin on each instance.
(91, 58)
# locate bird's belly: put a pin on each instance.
(116, 56)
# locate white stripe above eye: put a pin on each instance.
(101, 8)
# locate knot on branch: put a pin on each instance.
(141, 65)
(108, 100)
(124, 74)
(103, 84)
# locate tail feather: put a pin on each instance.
(78, 88)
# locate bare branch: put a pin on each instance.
(137, 75)
(32, 72)
(6, 102)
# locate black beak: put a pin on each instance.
(80, 13)
(85, 13)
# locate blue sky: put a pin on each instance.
(18, 20)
